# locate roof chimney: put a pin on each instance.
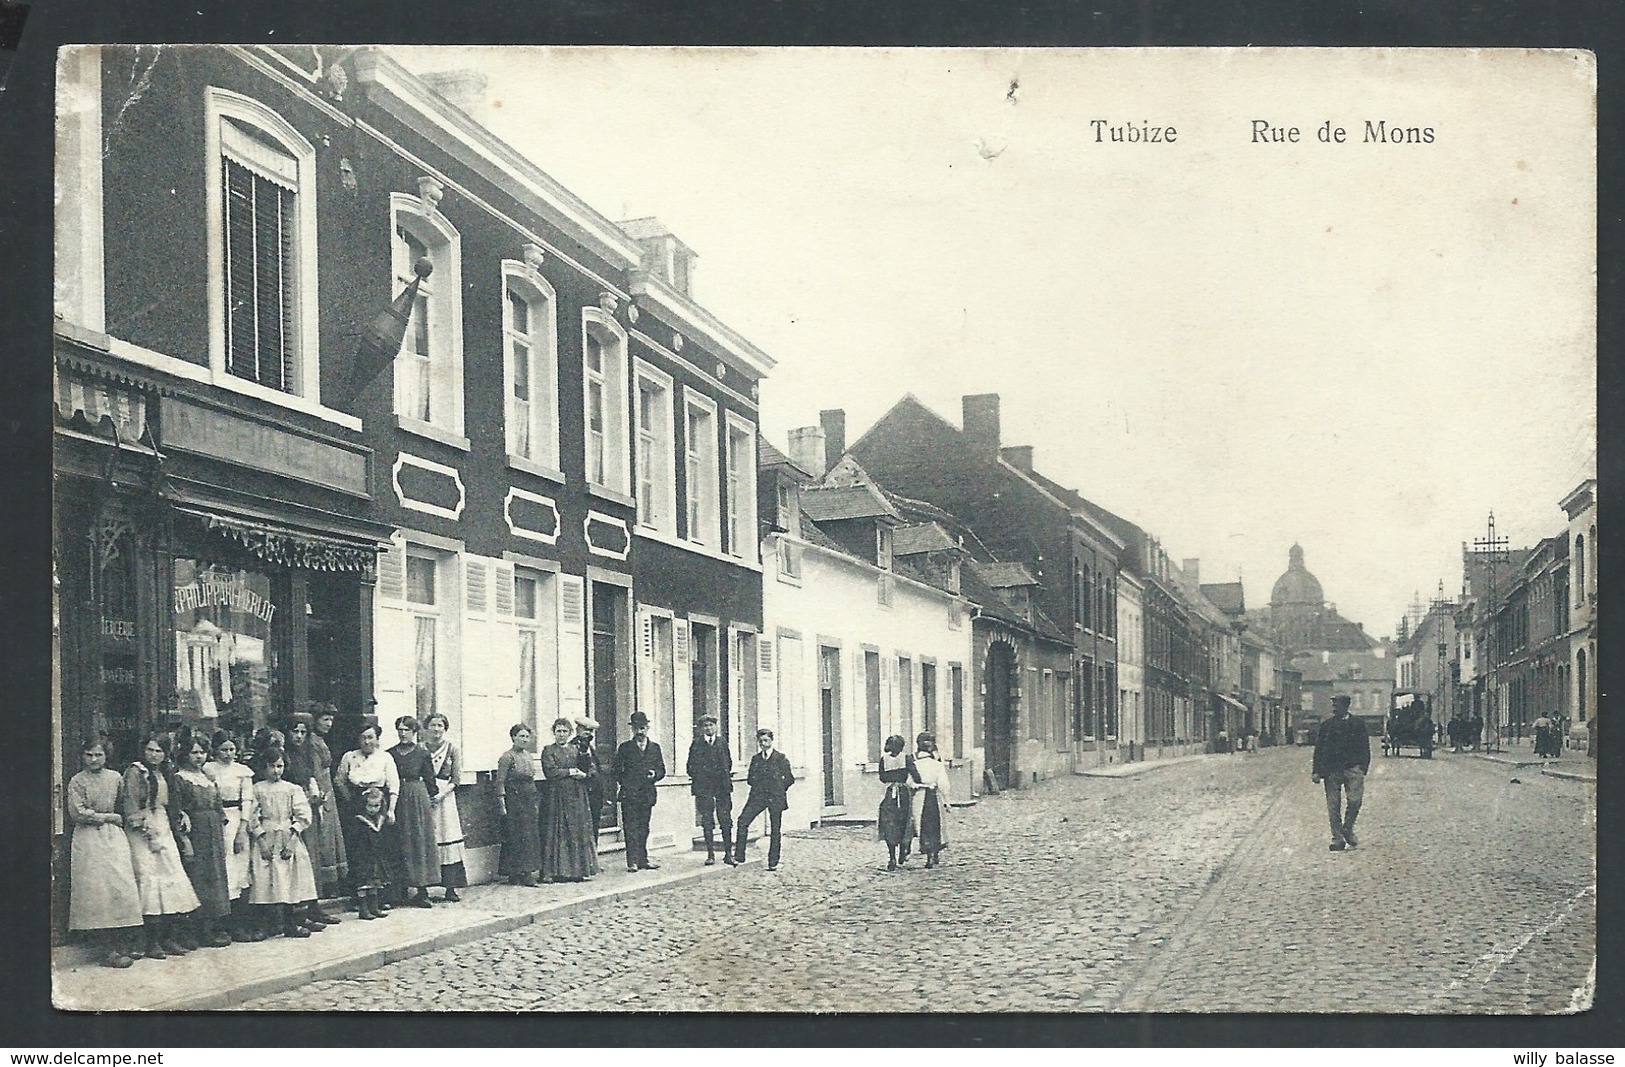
(980, 421)
(1193, 570)
(1018, 456)
(807, 449)
(464, 88)
(833, 420)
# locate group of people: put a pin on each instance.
(209, 839)
(915, 803)
(1464, 733)
(206, 839)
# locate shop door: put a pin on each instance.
(829, 718)
(998, 713)
(610, 682)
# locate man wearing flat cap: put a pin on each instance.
(586, 743)
(711, 779)
(1342, 758)
(638, 766)
(770, 777)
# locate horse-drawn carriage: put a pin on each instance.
(1409, 724)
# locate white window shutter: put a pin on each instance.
(392, 647)
(765, 654)
(503, 592)
(680, 640)
(682, 682)
(572, 646)
(392, 572)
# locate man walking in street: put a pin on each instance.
(1342, 758)
(711, 779)
(770, 777)
(638, 766)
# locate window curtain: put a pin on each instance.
(423, 665)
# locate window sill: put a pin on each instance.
(614, 496)
(431, 432)
(790, 579)
(540, 470)
(180, 368)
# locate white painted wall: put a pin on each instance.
(835, 604)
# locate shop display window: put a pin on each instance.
(225, 659)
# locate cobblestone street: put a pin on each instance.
(1204, 886)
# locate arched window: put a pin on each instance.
(603, 347)
(429, 367)
(260, 198)
(1580, 565)
(1592, 570)
(530, 366)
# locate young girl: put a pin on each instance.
(515, 782)
(368, 766)
(367, 863)
(104, 901)
(236, 784)
(896, 820)
(282, 872)
(203, 851)
(166, 892)
(448, 822)
(300, 759)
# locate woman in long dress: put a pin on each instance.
(104, 901)
(567, 849)
(331, 860)
(301, 757)
(364, 767)
(896, 818)
(931, 800)
(166, 892)
(236, 784)
(515, 782)
(414, 817)
(203, 844)
(448, 822)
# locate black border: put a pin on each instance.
(26, 1016)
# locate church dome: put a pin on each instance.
(1297, 587)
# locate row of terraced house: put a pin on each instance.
(551, 497)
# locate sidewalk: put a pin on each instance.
(1139, 767)
(223, 978)
(1573, 765)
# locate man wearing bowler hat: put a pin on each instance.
(770, 777)
(711, 780)
(1342, 758)
(638, 766)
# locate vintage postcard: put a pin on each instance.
(825, 530)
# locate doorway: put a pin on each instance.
(611, 684)
(999, 712)
(829, 719)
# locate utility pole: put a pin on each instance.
(1493, 551)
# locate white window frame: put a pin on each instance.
(613, 378)
(444, 246)
(705, 508)
(739, 506)
(446, 592)
(657, 509)
(220, 105)
(544, 628)
(543, 344)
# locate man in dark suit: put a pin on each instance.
(711, 779)
(638, 766)
(770, 777)
(1342, 758)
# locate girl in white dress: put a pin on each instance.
(282, 873)
(236, 784)
(166, 891)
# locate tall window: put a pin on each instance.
(871, 696)
(700, 472)
(741, 504)
(604, 371)
(530, 337)
(656, 451)
(423, 607)
(429, 366)
(928, 697)
(905, 698)
(262, 243)
(956, 699)
(536, 623)
(742, 694)
(883, 537)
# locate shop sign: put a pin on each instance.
(221, 435)
(231, 593)
(123, 629)
(118, 676)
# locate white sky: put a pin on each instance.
(1361, 347)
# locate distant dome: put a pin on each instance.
(1297, 587)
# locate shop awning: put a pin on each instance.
(288, 534)
(1238, 705)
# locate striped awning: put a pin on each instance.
(123, 406)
